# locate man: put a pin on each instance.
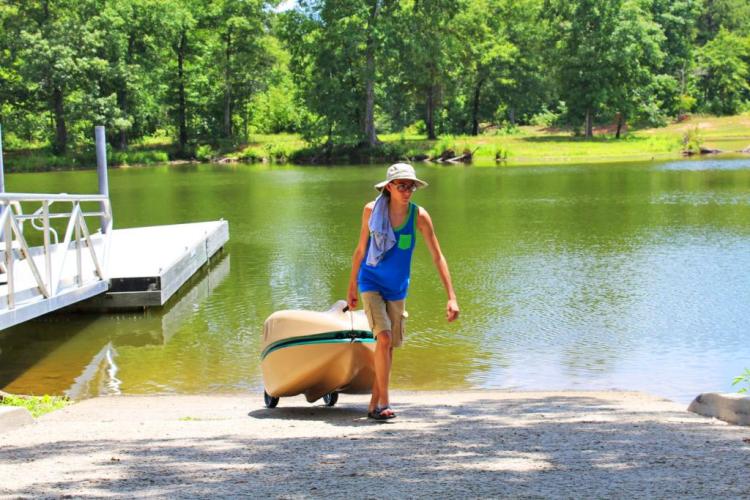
(381, 267)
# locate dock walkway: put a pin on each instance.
(144, 268)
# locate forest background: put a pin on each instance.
(354, 80)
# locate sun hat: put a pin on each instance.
(399, 171)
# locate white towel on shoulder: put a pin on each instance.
(382, 237)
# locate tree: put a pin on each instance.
(731, 15)
(724, 72)
(59, 51)
(678, 20)
(429, 51)
(607, 52)
(488, 55)
(132, 32)
(237, 40)
(633, 63)
(334, 48)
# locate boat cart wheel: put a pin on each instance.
(331, 398)
(271, 402)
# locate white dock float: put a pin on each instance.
(147, 265)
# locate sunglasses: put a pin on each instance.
(407, 186)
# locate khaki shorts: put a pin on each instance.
(385, 315)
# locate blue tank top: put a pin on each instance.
(391, 276)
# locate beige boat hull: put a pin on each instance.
(319, 369)
(317, 353)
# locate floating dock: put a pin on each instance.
(147, 265)
(144, 268)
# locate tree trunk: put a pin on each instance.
(369, 132)
(181, 104)
(430, 114)
(122, 103)
(475, 108)
(122, 94)
(228, 88)
(512, 115)
(620, 123)
(589, 124)
(61, 132)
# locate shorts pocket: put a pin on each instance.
(404, 241)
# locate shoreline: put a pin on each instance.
(554, 161)
(527, 145)
(474, 443)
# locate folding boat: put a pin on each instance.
(318, 354)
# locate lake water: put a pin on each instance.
(621, 276)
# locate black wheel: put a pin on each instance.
(271, 402)
(331, 398)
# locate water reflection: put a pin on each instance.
(82, 350)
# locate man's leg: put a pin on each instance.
(377, 312)
(383, 361)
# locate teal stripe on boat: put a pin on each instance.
(338, 337)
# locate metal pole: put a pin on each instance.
(101, 169)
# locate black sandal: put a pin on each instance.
(377, 414)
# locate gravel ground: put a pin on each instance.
(443, 444)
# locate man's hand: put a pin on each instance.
(351, 297)
(451, 310)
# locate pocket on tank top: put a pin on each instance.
(404, 241)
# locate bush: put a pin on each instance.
(276, 152)
(692, 141)
(444, 145)
(417, 128)
(501, 153)
(137, 157)
(204, 152)
(507, 129)
(686, 103)
(743, 378)
(250, 155)
(544, 118)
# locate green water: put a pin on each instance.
(630, 276)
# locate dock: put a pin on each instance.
(148, 265)
(78, 261)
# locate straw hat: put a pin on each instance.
(400, 171)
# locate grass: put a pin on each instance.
(517, 146)
(37, 405)
(529, 144)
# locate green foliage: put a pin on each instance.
(507, 129)
(217, 71)
(277, 152)
(692, 140)
(545, 118)
(687, 103)
(729, 15)
(743, 378)
(204, 152)
(37, 405)
(249, 155)
(502, 153)
(136, 157)
(723, 64)
(444, 144)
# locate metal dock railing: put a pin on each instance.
(123, 269)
